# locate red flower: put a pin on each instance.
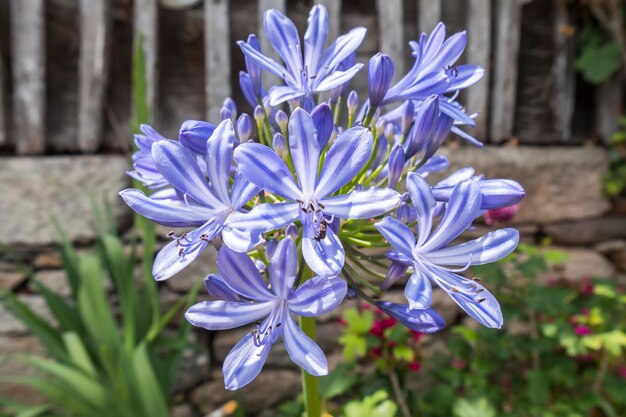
(500, 215)
(414, 366)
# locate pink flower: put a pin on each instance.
(414, 366)
(581, 330)
(500, 215)
(621, 371)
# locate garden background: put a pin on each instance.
(549, 115)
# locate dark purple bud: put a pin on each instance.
(423, 127)
(270, 248)
(444, 124)
(279, 144)
(245, 83)
(353, 102)
(351, 294)
(423, 321)
(244, 127)
(323, 120)
(380, 74)
(292, 231)
(396, 165)
(259, 114)
(194, 134)
(406, 213)
(407, 116)
(281, 120)
(225, 114)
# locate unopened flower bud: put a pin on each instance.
(396, 165)
(230, 104)
(259, 114)
(279, 144)
(270, 248)
(407, 116)
(194, 134)
(351, 294)
(292, 231)
(352, 102)
(503, 215)
(380, 74)
(260, 266)
(225, 114)
(244, 127)
(281, 120)
(266, 105)
(380, 126)
(390, 132)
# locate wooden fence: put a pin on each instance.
(515, 94)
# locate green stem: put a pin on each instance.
(310, 383)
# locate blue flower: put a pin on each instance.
(433, 71)
(430, 256)
(245, 298)
(318, 72)
(207, 206)
(144, 169)
(310, 198)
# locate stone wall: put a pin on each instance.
(564, 202)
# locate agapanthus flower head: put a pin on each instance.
(304, 186)
(245, 298)
(310, 69)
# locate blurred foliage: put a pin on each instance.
(109, 353)
(560, 354)
(614, 181)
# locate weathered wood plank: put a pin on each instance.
(563, 73)
(94, 24)
(428, 15)
(506, 49)
(29, 82)
(390, 18)
(479, 53)
(217, 56)
(334, 17)
(609, 105)
(146, 29)
(3, 112)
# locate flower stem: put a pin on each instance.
(310, 383)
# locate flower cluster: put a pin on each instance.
(302, 209)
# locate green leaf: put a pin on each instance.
(598, 63)
(375, 405)
(338, 382)
(149, 393)
(354, 346)
(78, 354)
(403, 353)
(480, 407)
(356, 322)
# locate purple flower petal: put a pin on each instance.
(317, 296)
(262, 167)
(489, 248)
(219, 158)
(280, 94)
(240, 240)
(283, 35)
(336, 79)
(180, 167)
(340, 50)
(244, 362)
(424, 203)
(362, 204)
(396, 271)
(467, 75)
(398, 235)
(326, 256)
(302, 350)
(242, 191)
(423, 321)
(168, 212)
(472, 297)
(265, 217)
(305, 149)
(344, 160)
(224, 315)
(419, 291)
(217, 289)
(194, 134)
(177, 254)
(315, 37)
(241, 275)
(283, 267)
(266, 63)
(462, 209)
